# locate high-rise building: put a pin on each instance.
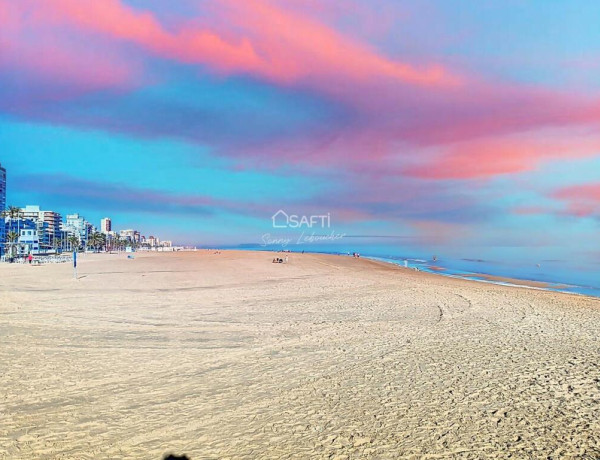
(77, 225)
(2, 207)
(2, 188)
(49, 222)
(106, 225)
(131, 235)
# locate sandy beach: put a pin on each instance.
(231, 356)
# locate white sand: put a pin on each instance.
(230, 355)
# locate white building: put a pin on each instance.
(106, 225)
(77, 225)
(2, 207)
(2, 188)
(48, 223)
(29, 242)
(131, 235)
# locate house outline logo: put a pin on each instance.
(282, 217)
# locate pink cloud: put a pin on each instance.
(504, 155)
(54, 61)
(580, 200)
(424, 122)
(275, 43)
(461, 133)
(54, 65)
(297, 47)
(114, 19)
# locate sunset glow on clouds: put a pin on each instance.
(430, 122)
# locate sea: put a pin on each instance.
(576, 275)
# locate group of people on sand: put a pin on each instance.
(279, 260)
(356, 255)
(28, 259)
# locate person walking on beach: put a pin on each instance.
(30, 258)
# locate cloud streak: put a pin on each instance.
(276, 44)
(582, 200)
(71, 192)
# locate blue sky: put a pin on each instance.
(468, 129)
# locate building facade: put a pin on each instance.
(16, 225)
(131, 235)
(29, 242)
(49, 226)
(2, 208)
(2, 188)
(106, 225)
(77, 225)
(25, 231)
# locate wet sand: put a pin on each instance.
(517, 282)
(230, 356)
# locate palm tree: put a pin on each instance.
(101, 240)
(56, 244)
(11, 239)
(90, 241)
(96, 241)
(120, 243)
(13, 213)
(73, 242)
(110, 243)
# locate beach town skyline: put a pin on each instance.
(36, 230)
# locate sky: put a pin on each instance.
(463, 128)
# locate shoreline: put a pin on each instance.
(437, 272)
(485, 278)
(493, 280)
